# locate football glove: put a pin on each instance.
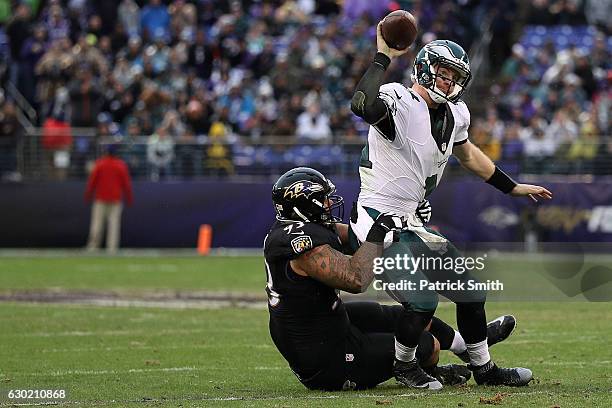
(384, 224)
(423, 211)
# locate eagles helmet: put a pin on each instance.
(436, 54)
(304, 194)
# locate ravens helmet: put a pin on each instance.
(436, 54)
(304, 194)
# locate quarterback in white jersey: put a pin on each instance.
(397, 175)
(413, 132)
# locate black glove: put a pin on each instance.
(423, 211)
(382, 225)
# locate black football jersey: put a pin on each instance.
(306, 316)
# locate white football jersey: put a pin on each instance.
(396, 175)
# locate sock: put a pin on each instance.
(404, 353)
(472, 322)
(458, 346)
(443, 332)
(479, 353)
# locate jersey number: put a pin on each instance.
(430, 183)
(298, 225)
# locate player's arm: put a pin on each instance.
(351, 274)
(474, 160)
(365, 102)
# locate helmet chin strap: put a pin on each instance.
(299, 214)
(437, 98)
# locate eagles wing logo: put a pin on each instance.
(301, 244)
(302, 188)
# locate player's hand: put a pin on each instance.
(389, 222)
(383, 224)
(423, 211)
(381, 45)
(534, 192)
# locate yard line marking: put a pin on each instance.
(575, 363)
(61, 373)
(104, 372)
(425, 394)
(78, 333)
(190, 346)
(159, 304)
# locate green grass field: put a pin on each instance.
(184, 357)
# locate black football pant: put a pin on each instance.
(366, 357)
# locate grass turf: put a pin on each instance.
(218, 273)
(224, 357)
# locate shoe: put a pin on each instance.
(450, 374)
(491, 374)
(412, 375)
(498, 330)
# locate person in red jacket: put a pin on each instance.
(109, 183)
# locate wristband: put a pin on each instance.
(382, 60)
(501, 181)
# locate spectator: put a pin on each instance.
(32, 51)
(584, 71)
(155, 19)
(512, 150)
(10, 132)
(129, 17)
(85, 98)
(57, 25)
(482, 138)
(18, 31)
(57, 143)
(313, 125)
(218, 153)
(198, 116)
(539, 147)
(201, 56)
(183, 20)
(566, 12)
(53, 71)
(539, 13)
(583, 149)
(108, 184)
(562, 129)
(160, 153)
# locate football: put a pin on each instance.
(399, 29)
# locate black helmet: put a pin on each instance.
(304, 194)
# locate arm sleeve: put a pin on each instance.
(365, 102)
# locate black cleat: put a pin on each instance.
(491, 374)
(412, 375)
(451, 374)
(498, 330)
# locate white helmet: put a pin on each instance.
(436, 54)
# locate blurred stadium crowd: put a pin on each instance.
(196, 87)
